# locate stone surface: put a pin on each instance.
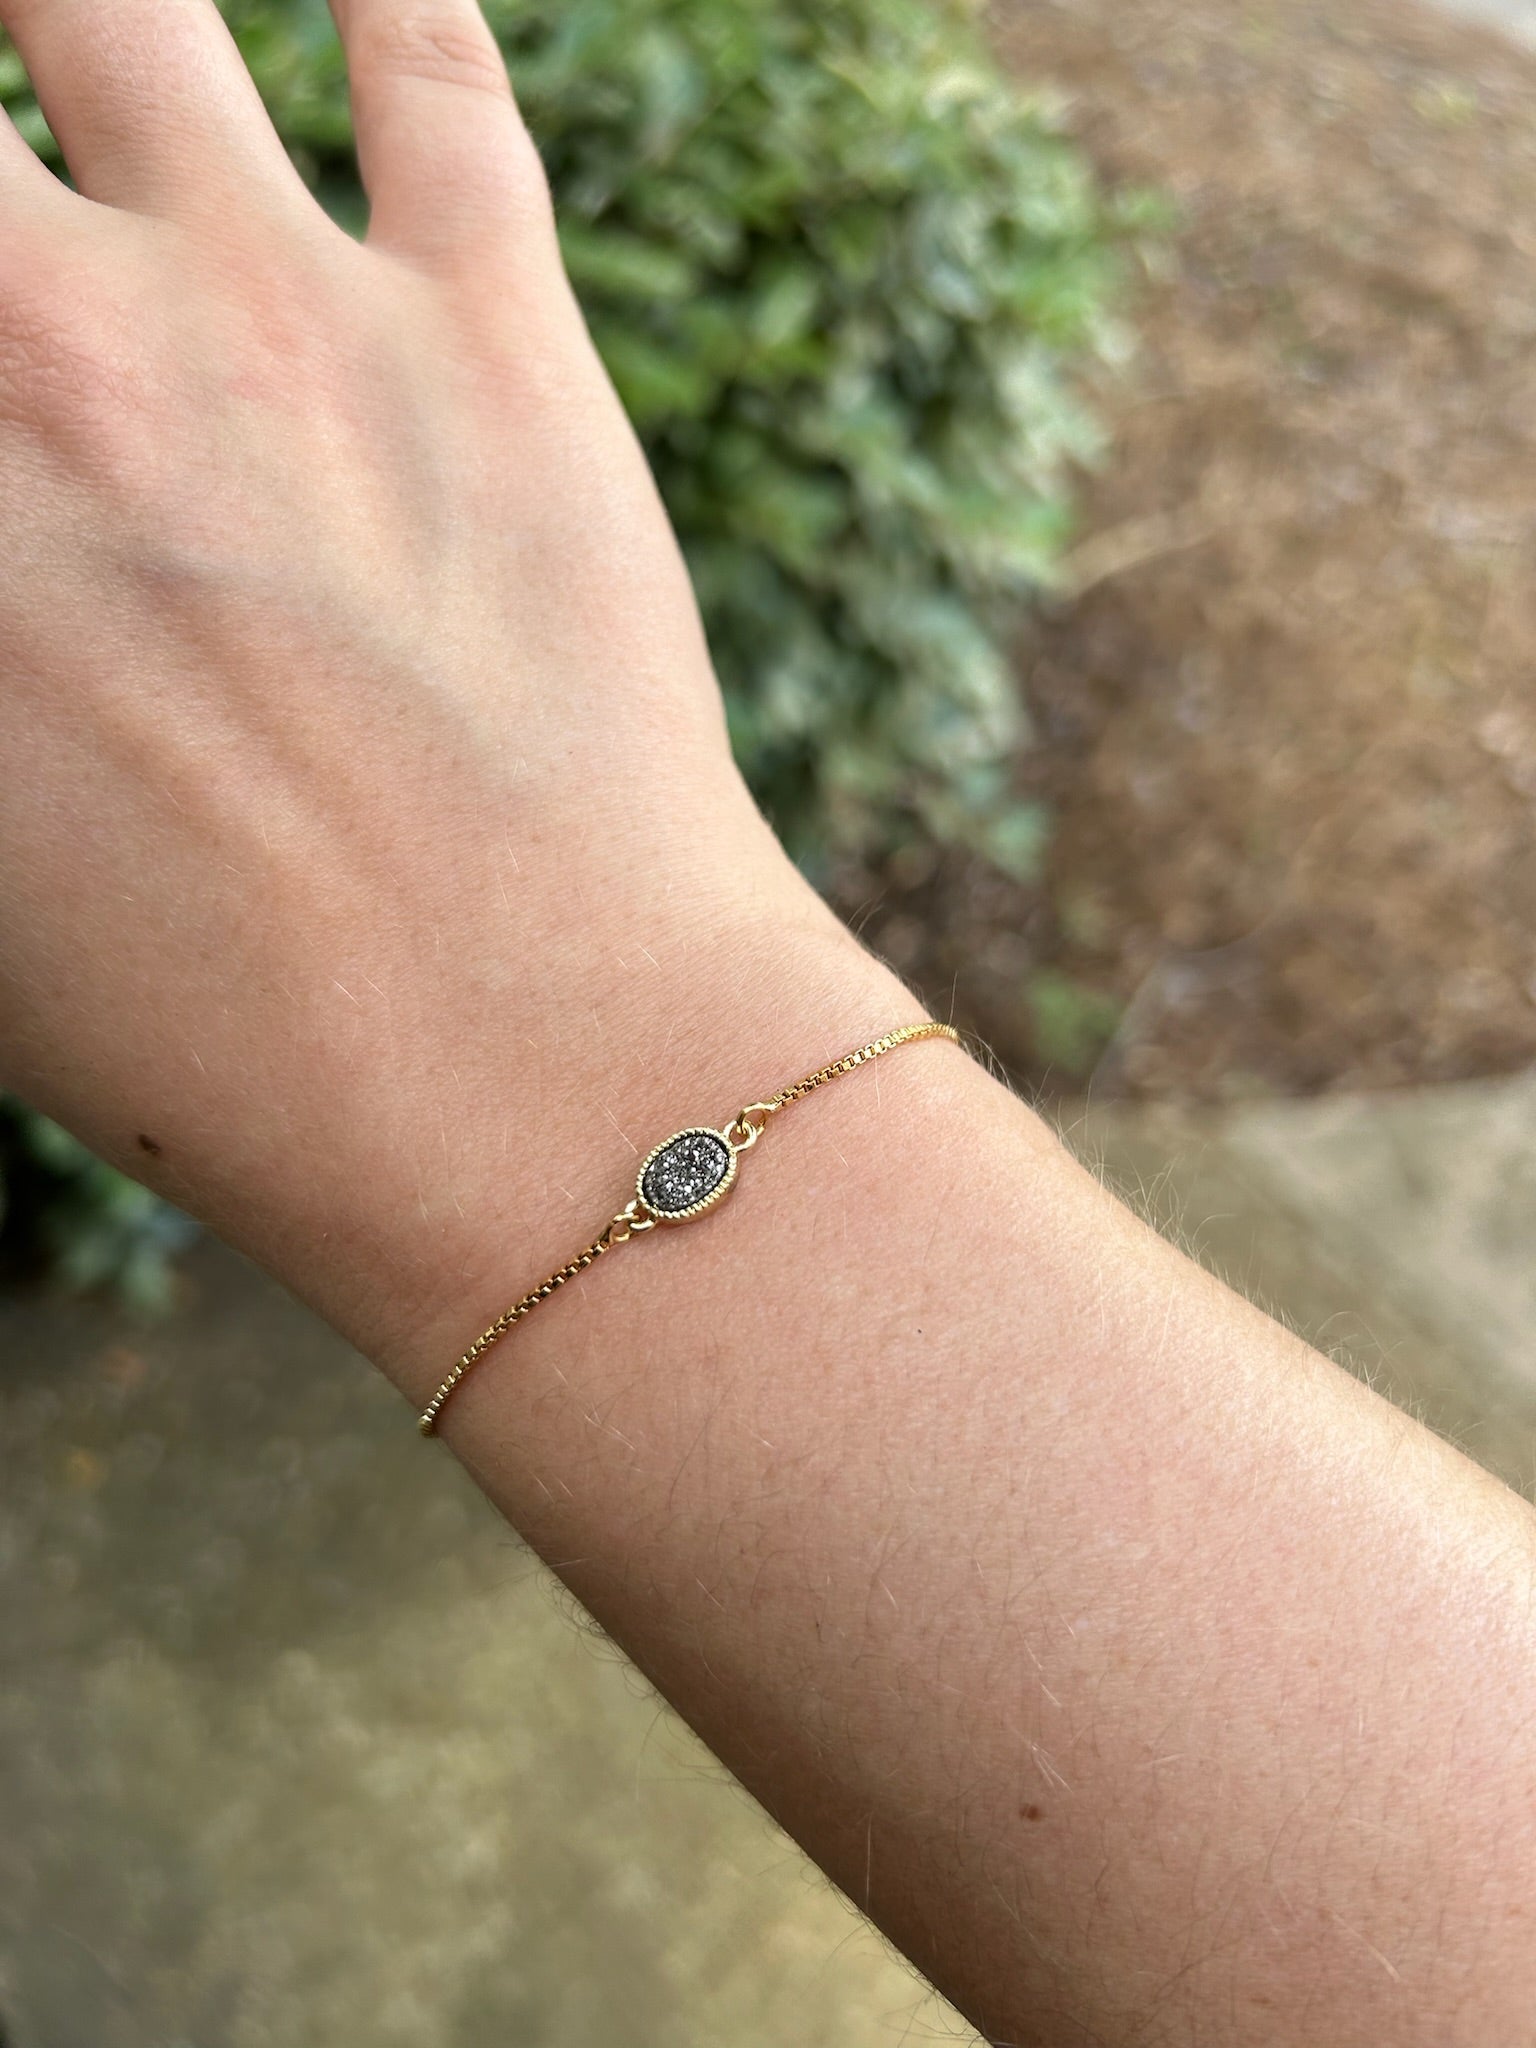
(686, 1171)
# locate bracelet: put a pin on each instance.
(681, 1179)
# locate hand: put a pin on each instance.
(368, 822)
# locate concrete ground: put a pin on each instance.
(297, 1745)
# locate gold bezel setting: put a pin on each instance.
(705, 1203)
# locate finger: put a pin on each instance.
(445, 158)
(150, 102)
(26, 182)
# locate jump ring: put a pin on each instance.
(743, 1123)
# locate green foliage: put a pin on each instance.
(70, 1215)
(1072, 1024)
(840, 271)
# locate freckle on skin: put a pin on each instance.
(150, 1145)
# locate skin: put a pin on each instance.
(378, 885)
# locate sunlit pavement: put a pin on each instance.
(296, 1745)
(1515, 17)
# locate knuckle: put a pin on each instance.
(526, 172)
(506, 182)
(85, 385)
(442, 49)
(58, 361)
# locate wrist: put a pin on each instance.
(519, 1128)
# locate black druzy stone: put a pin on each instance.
(686, 1170)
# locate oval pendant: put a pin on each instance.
(687, 1174)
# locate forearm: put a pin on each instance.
(1126, 1660)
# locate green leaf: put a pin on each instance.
(1072, 1024)
(609, 264)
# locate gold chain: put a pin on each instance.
(738, 1136)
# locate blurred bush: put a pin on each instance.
(841, 272)
(65, 1213)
